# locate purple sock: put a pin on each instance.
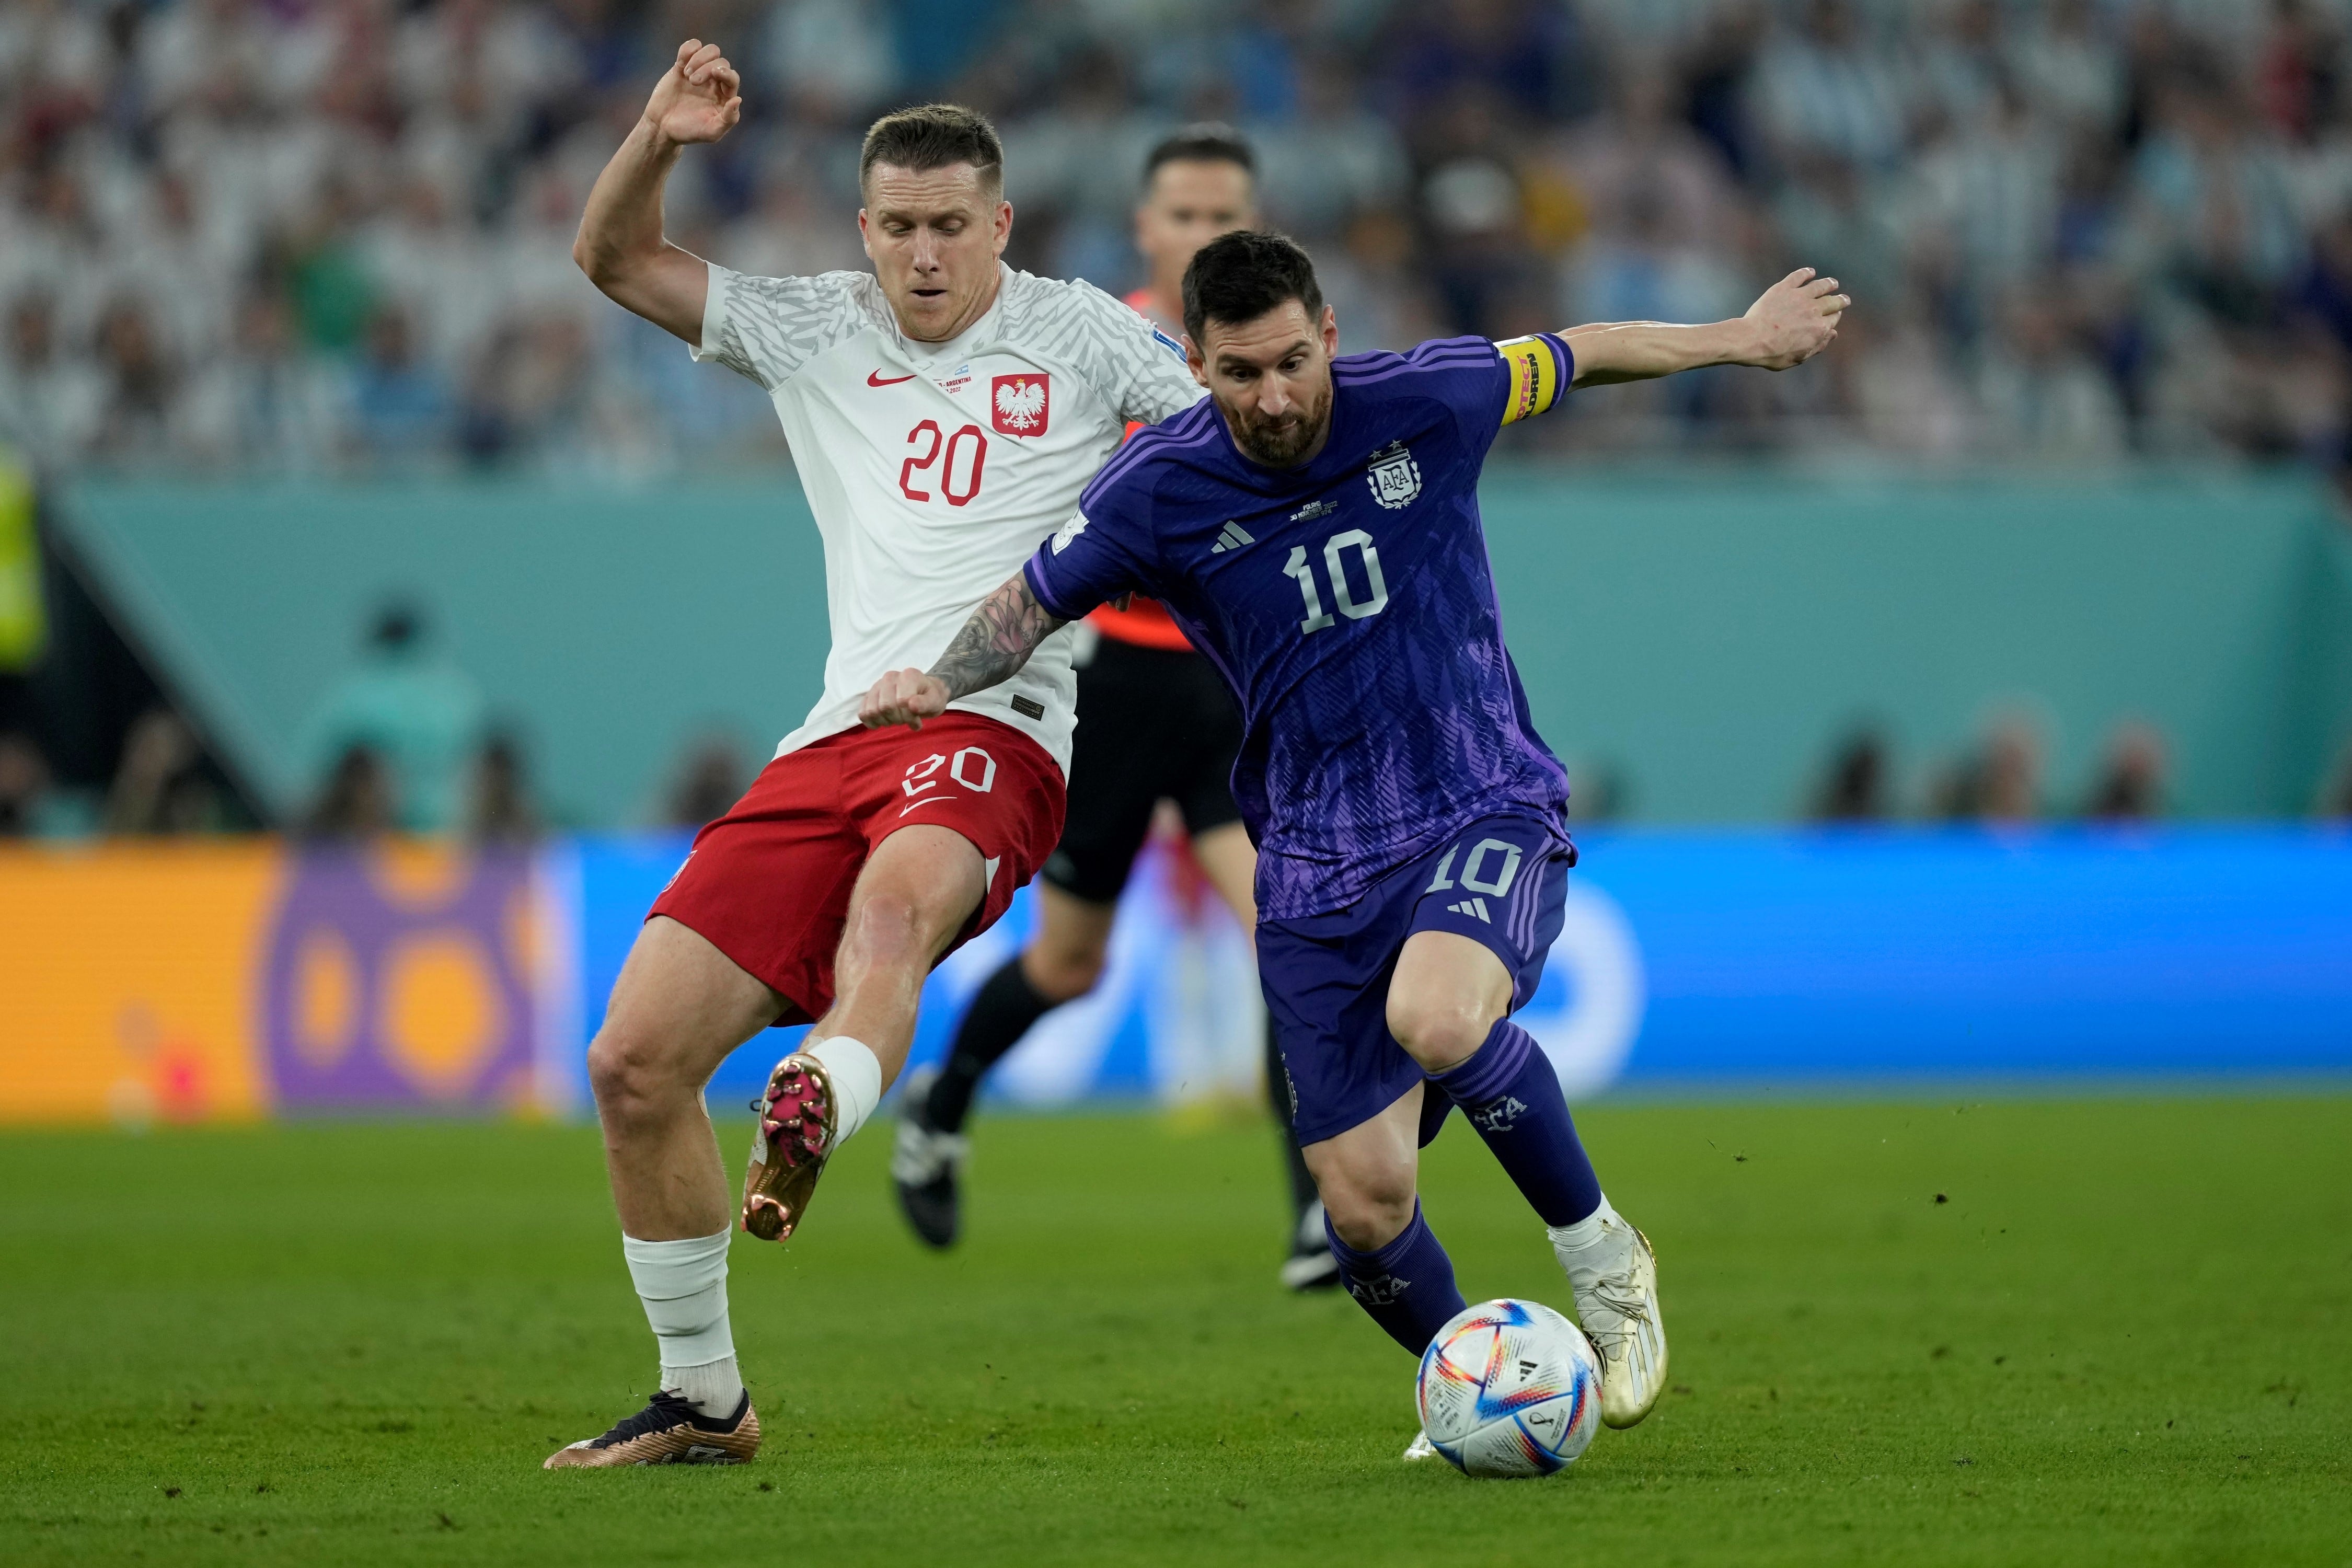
(1512, 1097)
(1407, 1285)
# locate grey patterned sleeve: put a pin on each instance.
(767, 327)
(1139, 371)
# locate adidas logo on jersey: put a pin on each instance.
(1232, 538)
(1475, 908)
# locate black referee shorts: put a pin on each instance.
(1153, 725)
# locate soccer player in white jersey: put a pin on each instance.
(944, 411)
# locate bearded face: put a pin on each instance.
(1286, 439)
(1271, 378)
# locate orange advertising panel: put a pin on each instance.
(127, 981)
(185, 982)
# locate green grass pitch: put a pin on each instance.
(2125, 1338)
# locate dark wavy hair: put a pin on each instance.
(1241, 276)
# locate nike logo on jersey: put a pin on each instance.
(1232, 538)
(876, 378)
(1475, 908)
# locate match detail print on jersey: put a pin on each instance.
(1541, 367)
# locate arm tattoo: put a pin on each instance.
(997, 641)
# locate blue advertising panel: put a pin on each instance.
(1965, 953)
(1722, 956)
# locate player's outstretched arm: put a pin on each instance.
(992, 646)
(1796, 319)
(620, 244)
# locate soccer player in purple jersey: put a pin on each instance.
(1313, 526)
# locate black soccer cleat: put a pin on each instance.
(925, 1165)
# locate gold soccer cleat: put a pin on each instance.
(667, 1431)
(798, 1116)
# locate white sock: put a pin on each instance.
(683, 1285)
(857, 1076)
(1584, 1232)
(714, 1388)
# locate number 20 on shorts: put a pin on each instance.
(971, 767)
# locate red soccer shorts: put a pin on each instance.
(768, 884)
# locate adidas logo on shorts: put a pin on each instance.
(1476, 908)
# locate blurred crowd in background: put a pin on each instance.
(334, 236)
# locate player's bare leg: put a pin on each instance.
(917, 890)
(679, 1008)
(1447, 1005)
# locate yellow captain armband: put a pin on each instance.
(1540, 366)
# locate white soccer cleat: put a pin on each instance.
(1420, 1448)
(1615, 1280)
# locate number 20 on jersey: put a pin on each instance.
(959, 460)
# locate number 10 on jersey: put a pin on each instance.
(1343, 592)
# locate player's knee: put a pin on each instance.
(889, 931)
(627, 1072)
(1062, 972)
(1369, 1213)
(1438, 1031)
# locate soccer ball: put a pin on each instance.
(1509, 1388)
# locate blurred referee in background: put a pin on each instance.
(1155, 722)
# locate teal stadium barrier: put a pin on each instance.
(1702, 638)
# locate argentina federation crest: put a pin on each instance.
(1394, 477)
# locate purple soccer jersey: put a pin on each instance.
(1350, 605)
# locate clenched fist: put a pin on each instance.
(903, 697)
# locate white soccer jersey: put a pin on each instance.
(936, 469)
